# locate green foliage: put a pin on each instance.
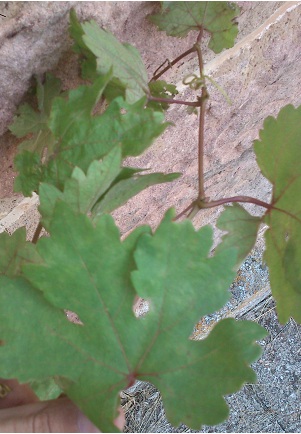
(91, 193)
(125, 189)
(35, 124)
(81, 137)
(81, 191)
(73, 157)
(242, 230)
(88, 59)
(278, 155)
(87, 269)
(46, 389)
(123, 59)
(161, 89)
(30, 172)
(14, 252)
(179, 18)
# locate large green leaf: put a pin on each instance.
(87, 269)
(217, 18)
(124, 59)
(279, 157)
(242, 230)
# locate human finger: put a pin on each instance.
(59, 415)
(13, 394)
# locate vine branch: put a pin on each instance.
(157, 74)
(174, 101)
(199, 204)
(242, 199)
(202, 99)
(37, 233)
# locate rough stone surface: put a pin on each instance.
(230, 167)
(33, 37)
(24, 213)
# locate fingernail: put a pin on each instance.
(85, 425)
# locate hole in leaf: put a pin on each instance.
(73, 317)
(140, 307)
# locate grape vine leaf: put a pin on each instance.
(278, 155)
(35, 123)
(88, 64)
(161, 89)
(91, 137)
(81, 137)
(115, 87)
(242, 230)
(85, 138)
(46, 389)
(125, 189)
(217, 18)
(14, 252)
(87, 269)
(124, 59)
(81, 191)
(30, 172)
(29, 162)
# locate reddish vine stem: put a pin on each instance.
(177, 217)
(37, 233)
(201, 204)
(243, 199)
(202, 99)
(174, 101)
(171, 64)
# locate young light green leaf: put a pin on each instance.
(67, 116)
(278, 155)
(242, 230)
(115, 87)
(86, 269)
(217, 18)
(27, 121)
(32, 122)
(125, 189)
(88, 64)
(124, 59)
(30, 172)
(46, 389)
(81, 191)
(161, 89)
(47, 92)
